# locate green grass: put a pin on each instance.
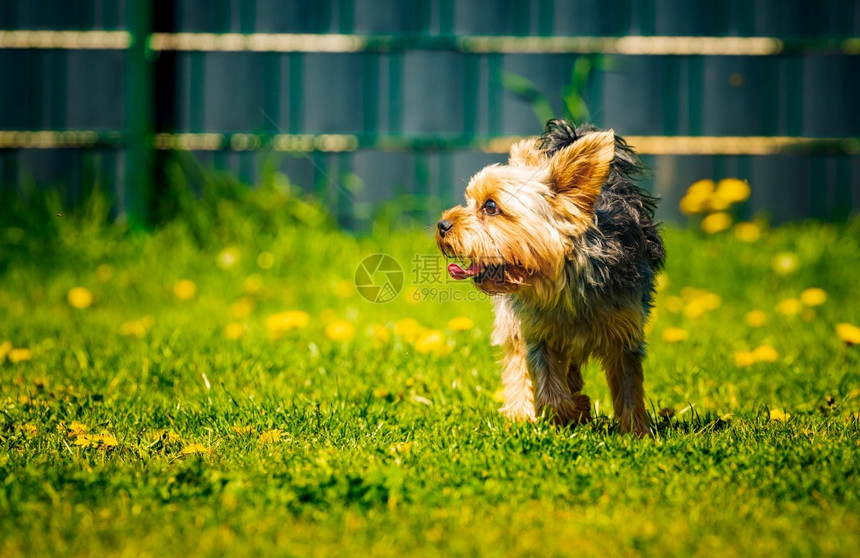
(384, 445)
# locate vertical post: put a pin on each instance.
(138, 116)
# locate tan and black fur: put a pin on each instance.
(566, 240)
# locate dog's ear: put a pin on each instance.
(526, 153)
(580, 169)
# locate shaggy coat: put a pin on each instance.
(567, 241)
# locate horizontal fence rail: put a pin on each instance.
(768, 108)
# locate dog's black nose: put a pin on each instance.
(444, 226)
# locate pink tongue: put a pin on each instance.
(458, 272)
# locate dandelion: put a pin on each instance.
(5, 349)
(104, 440)
(778, 415)
(137, 328)
(184, 289)
(30, 428)
(77, 429)
(19, 355)
(194, 448)
(80, 297)
(744, 358)
(409, 329)
(716, 222)
(848, 333)
(733, 190)
(432, 341)
(241, 430)
(675, 335)
(785, 263)
(265, 260)
(789, 306)
(277, 324)
(227, 258)
(340, 330)
(270, 436)
(755, 318)
(747, 232)
(460, 323)
(234, 331)
(813, 297)
(765, 353)
(404, 447)
(697, 197)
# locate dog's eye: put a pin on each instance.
(490, 207)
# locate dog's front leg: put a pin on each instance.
(519, 393)
(548, 367)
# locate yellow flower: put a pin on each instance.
(813, 297)
(785, 263)
(104, 272)
(103, 440)
(747, 232)
(755, 318)
(716, 222)
(5, 349)
(744, 358)
(765, 353)
(432, 341)
(779, 415)
(234, 331)
(77, 429)
(697, 198)
(265, 260)
(194, 448)
(848, 333)
(733, 190)
(460, 323)
(80, 297)
(240, 430)
(789, 306)
(270, 436)
(137, 328)
(409, 329)
(340, 330)
(108, 440)
(184, 289)
(285, 321)
(19, 355)
(674, 334)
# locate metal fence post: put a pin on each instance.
(138, 116)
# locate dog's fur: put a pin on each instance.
(571, 249)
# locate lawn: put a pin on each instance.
(217, 386)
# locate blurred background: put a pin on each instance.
(374, 104)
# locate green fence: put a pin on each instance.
(363, 101)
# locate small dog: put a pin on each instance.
(567, 241)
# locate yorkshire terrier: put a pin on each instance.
(567, 241)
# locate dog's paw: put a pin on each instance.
(522, 412)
